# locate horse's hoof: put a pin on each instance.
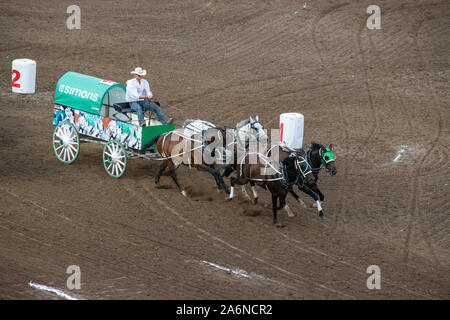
(184, 193)
(321, 215)
(255, 200)
(228, 199)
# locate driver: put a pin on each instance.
(138, 95)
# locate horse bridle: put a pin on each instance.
(259, 132)
(326, 157)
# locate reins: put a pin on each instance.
(265, 168)
(165, 157)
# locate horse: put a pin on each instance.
(177, 148)
(247, 129)
(315, 156)
(243, 132)
(238, 138)
(291, 170)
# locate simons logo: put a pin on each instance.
(84, 94)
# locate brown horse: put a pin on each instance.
(176, 148)
(276, 177)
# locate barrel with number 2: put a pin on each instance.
(23, 76)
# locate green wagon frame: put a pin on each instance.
(90, 109)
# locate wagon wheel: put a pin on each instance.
(114, 158)
(66, 142)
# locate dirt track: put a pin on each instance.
(368, 92)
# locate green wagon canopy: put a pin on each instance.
(86, 93)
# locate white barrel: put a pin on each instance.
(23, 76)
(291, 129)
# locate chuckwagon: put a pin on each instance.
(90, 109)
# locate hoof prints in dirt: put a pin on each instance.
(252, 212)
(198, 194)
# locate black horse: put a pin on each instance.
(317, 156)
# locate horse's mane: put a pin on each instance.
(186, 122)
(316, 146)
(242, 123)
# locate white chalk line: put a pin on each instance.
(243, 273)
(58, 292)
(294, 275)
(236, 271)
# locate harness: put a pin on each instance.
(221, 151)
(283, 168)
(285, 177)
(282, 172)
(164, 155)
(267, 163)
(308, 158)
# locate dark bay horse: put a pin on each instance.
(276, 177)
(319, 155)
(316, 156)
(177, 148)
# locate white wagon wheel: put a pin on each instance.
(66, 142)
(114, 158)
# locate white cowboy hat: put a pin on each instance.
(139, 71)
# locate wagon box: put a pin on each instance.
(93, 108)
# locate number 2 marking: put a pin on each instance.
(16, 78)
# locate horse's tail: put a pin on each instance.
(151, 142)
